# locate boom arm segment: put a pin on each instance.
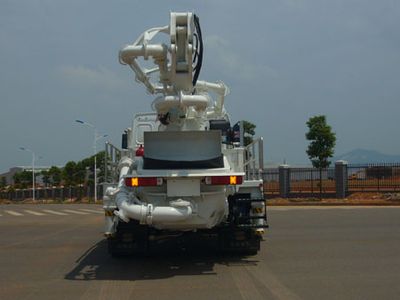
(176, 76)
(178, 65)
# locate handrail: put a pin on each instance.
(112, 157)
(254, 159)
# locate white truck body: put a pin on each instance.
(179, 169)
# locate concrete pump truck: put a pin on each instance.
(181, 175)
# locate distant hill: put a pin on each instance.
(362, 156)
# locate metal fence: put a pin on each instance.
(306, 181)
(373, 178)
(271, 181)
(300, 182)
(53, 193)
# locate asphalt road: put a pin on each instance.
(309, 253)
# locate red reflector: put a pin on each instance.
(143, 181)
(224, 180)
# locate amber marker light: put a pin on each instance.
(134, 181)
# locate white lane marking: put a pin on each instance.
(54, 212)
(92, 210)
(13, 213)
(75, 212)
(34, 212)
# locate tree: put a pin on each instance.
(23, 179)
(101, 160)
(322, 143)
(55, 175)
(80, 172)
(3, 182)
(46, 177)
(249, 132)
(88, 163)
(68, 173)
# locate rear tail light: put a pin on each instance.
(224, 180)
(143, 181)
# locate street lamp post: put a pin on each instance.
(96, 138)
(33, 170)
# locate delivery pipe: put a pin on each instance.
(164, 103)
(131, 52)
(219, 88)
(148, 214)
(144, 213)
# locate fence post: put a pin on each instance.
(284, 180)
(341, 178)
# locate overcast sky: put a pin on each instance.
(284, 61)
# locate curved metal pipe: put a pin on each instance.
(219, 88)
(199, 102)
(148, 214)
(131, 52)
(145, 214)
